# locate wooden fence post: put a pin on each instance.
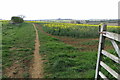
(100, 47)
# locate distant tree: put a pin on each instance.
(16, 19)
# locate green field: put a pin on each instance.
(79, 60)
(18, 46)
(68, 50)
(65, 61)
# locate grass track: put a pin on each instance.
(18, 46)
(63, 60)
(60, 60)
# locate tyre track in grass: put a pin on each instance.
(80, 43)
(37, 67)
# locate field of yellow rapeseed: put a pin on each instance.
(75, 30)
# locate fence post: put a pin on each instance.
(100, 47)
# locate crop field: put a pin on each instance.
(75, 30)
(68, 50)
(84, 38)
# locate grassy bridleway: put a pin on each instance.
(37, 68)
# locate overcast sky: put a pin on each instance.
(53, 9)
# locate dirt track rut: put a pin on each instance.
(37, 68)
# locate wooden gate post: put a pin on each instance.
(100, 47)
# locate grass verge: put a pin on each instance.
(17, 44)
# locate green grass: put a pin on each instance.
(65, 61)
(61, 60)
(17, 44)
